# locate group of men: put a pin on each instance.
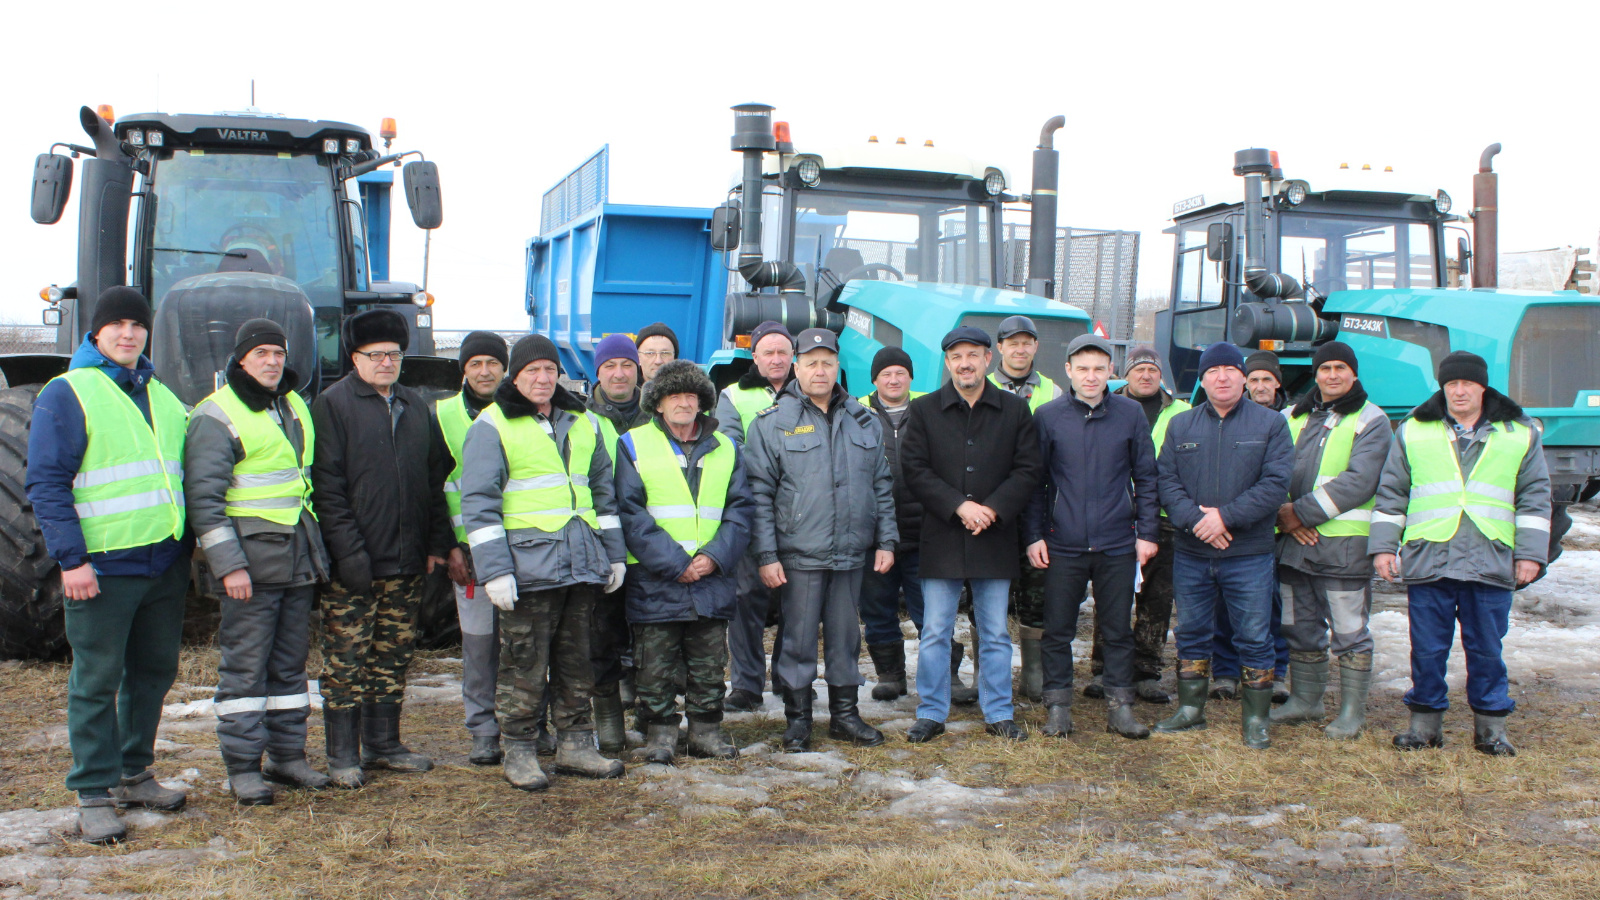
(620, 551)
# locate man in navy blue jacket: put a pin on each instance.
(1094, 518)
(1224, 469)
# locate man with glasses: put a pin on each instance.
(658, 345)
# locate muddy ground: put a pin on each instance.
(1183, 816)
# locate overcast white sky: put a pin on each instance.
(1157, 97)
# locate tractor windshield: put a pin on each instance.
(892, 238)
(210, 212)
(1343, 253)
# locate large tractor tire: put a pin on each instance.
(31, 600)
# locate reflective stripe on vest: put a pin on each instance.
(541, 490)
(271, 482)
(690, 521)
(1339, 438)
(750, 402)
(1043, 393)
(454, 420)
(129, 487)
(1439, 494)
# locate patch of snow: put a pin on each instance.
(38, 875)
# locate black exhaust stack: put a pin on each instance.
(1253, 164)
(1486, 221)
(103, 200)
(753, 137)
(1042, 230)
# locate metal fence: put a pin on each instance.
(448, 343)
(586, 187)
(27, 338)
(1097, 270)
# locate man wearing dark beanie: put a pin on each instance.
(105, 463)
(1463, 518)
(657, 345)
(483, 357)
(1223, 472)
(1263, 379)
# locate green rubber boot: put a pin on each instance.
(1308, 680)
(1191, 714)
(1354, 684)
(1255, 707)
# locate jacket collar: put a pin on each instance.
(515, 406)
(1163, 393)
(1350, 403)
(134, 380)
(753, 379)
(949, 396)
(1497, 407)
(251, 393)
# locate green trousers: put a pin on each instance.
(124, 657)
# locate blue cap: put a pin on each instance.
(615, 346)
(966, 334)
(1221, 354)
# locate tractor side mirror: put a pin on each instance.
(1219, 242)
(725, 226)
(1464, 256)
(52, 185)
(422, 194)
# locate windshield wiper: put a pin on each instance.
(236, 254)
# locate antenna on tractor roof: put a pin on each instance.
(252, 93)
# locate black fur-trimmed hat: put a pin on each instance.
(375, 326)
(681, 376)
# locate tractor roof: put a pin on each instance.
(249, 130)
(872, 158)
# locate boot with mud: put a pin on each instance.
(485, 750)
(609, 727)
(1489, 735)
(144, 791)
(98, 822)
(960, 694)
(249, 789)
(1058, 713)
(890, 662)
(797, 713)
(707, 740)
(1194, 678)
(342, 728)
(521, 766)
(576, 754)
(1255, 712)
(661, 743)
(1426, 732)
(1119, 715)
(1308, 681)
(294, 772)
(1031, 678)
(844, 719)
(1150, 691)
(380, 741)
(1355, 682)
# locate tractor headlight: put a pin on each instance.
(351, 145)
(136, 138)
(1441, 202)
(1295, 193)
(809, 172)
(330, 145)
(994, 183)
(156, 139)
(422, 298)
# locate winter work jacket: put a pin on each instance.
(614, 420)
(274, 553)
(1035, 390)
(1467, 555)
(653, 593)
(907, 508)
(57, 443)
(987, 452)
(738, 403)
(378, 478)
(1334, 494)
(572, 552)
(1099, 488)
(1238, 464)
(823, 493)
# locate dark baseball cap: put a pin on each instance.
(966, 334)
(816, 339)
(1015, 325)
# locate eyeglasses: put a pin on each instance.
(657, 354)
(381, 355)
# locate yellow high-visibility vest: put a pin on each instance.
(454, 420)
(1439, 493)
(542, 490)
(272, 482)
(1340, 440)
(691, 521)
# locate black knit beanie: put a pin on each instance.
(530, 350)
(255, 333)
(1335, 351)
(1463, 366)
(483, 343)
(1264, 361)
(657, 329)
(890, 356)
(118, 303)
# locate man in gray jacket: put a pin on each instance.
(1341, 440)
(539, 508)
(824, 501)
(248, 492)
(1463, 518)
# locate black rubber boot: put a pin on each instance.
(1489, 735)
(1096, 688)
(1119, 715)
(380, 741)
(661, 743)
(342, 728)
(741, 700)
(294, 772)
(485, 750)
(960, 694)
(923, 731)
(608, 724)
(1255, 712)
(1191, 714)
(844, 719)
(1354, 685)
(890, 662)
(1308, 681)
(1058, 719)
(1426, 732)
(797, 711)
(707, 740)
(1031, 678)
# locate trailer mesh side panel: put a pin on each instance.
(1555, 354)
(585, 188)
(1096, 271)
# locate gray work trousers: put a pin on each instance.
(1315, 605)
(830, 600)
(261, 702)
(480, 659)
(747, 655)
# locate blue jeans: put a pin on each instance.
(880, 598)
(1225, 657)
(1484, 612)
(989, 599)
(1244, 585)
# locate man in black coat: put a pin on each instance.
(880, 594)
(970, 455)
(378, 489)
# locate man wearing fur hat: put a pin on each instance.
(378, 489)
(247, 483)
(483, 359)
(538, 505)
(1463, 518)
(686, 511)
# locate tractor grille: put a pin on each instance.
(1556, 353)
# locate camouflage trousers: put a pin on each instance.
(693, 654)
(368, 640)
(547, 631)
(1027, 596)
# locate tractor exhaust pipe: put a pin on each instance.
(104, 196)
(1486, 221)
(1253, 164)
(753, 137)
(1042, 229)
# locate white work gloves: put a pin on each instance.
(618, 570)
(502, 590)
